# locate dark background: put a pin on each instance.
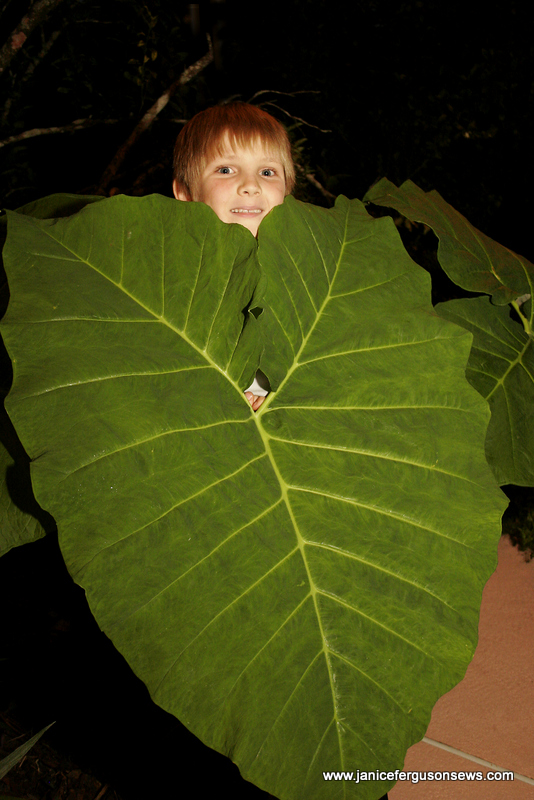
(429, 91)
(434, 92)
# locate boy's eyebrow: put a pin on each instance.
(229, 156)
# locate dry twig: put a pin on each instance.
(41, 54)
(29, 72)
(285, 94)
(74, 126)
(187, 75)
(298, 119)
(313, 180)
(37, 14)
(102, 791)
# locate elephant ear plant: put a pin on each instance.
(501, 363)
(297, 585)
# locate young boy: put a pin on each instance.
(236, 158)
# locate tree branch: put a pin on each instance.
(314, 182)
(187, 75)
(42, 53)
(292, 116)
(74, 126)
(29, 72)
(37, 14)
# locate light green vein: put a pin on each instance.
(122, 246)
(294, 306)
(185, 500)
(297, 684)
(317, 751)
(516, 330)
(320, 252)
(154, 438)
(119, 320)
(485, 351)
(55, 257)
(273, 312)
(163, 270)
(225, 610)
(362, 408)
(370, 454)
(383, 511)
(513, 363)
(371, 680)
(194, 288)
(280, 713)
(347, 727)
(373, 565)
(370, 349)
(360, 239)
(294, 262)
(221, 301)
(396, 634)
(118, 376)
(487, 333)
(198, 563)
(368, 287)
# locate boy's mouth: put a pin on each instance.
(245, 210)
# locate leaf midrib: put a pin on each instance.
(283, 485)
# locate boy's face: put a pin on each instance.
(241, 185)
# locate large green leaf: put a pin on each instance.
(501, 368)
(298, 585)
(21, 520)
(469, 257)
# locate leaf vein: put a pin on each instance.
(154, 438)
(225, 610)
(288, 700)
(383, 511)
(349, 606)
(385, 457)
(194, 566)
(116, 376)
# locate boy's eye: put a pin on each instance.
(225, 170)
(267, 173)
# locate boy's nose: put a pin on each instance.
(249, 185)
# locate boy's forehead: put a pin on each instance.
(227, 144)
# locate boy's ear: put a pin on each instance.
(180, 192)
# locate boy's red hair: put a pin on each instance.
(202, 137)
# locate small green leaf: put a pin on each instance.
(21, 519)
(501, 368)
(17, 755)
(16, 526)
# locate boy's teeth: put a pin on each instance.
(245, 210)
